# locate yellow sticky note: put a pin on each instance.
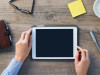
(76, 8)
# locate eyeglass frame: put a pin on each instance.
(22, 10)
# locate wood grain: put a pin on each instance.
(50, 12)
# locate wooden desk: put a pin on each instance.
(51, 12)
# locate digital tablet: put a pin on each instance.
(54, 42)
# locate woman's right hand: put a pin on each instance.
(82, 65)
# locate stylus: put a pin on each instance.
(95, 40)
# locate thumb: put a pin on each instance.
(77, 57)
(30, 42)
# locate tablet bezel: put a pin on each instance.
(34, 42)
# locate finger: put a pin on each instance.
(84, 51)
(83, 54)
(87, 54)
(23, 35)
(77, 57)
(27, 36)
(79, 48)
(30, 42)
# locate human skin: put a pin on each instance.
(81, 66)
(23, 46)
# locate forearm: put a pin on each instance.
(13, 68)
(23, 47)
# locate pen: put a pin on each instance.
(95, 40)
(8, 29)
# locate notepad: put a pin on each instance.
(76, 8)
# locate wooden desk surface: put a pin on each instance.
(50, 12)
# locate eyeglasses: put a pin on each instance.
(22, 10)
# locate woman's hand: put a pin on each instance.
(82, 65)
(23, 46)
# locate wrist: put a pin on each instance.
(81, 74)
(19, 59)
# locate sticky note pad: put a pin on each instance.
(76, 8)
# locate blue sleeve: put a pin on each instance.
(13, 68)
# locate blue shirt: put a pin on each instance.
(13, 68)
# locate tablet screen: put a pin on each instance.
(54, 42)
